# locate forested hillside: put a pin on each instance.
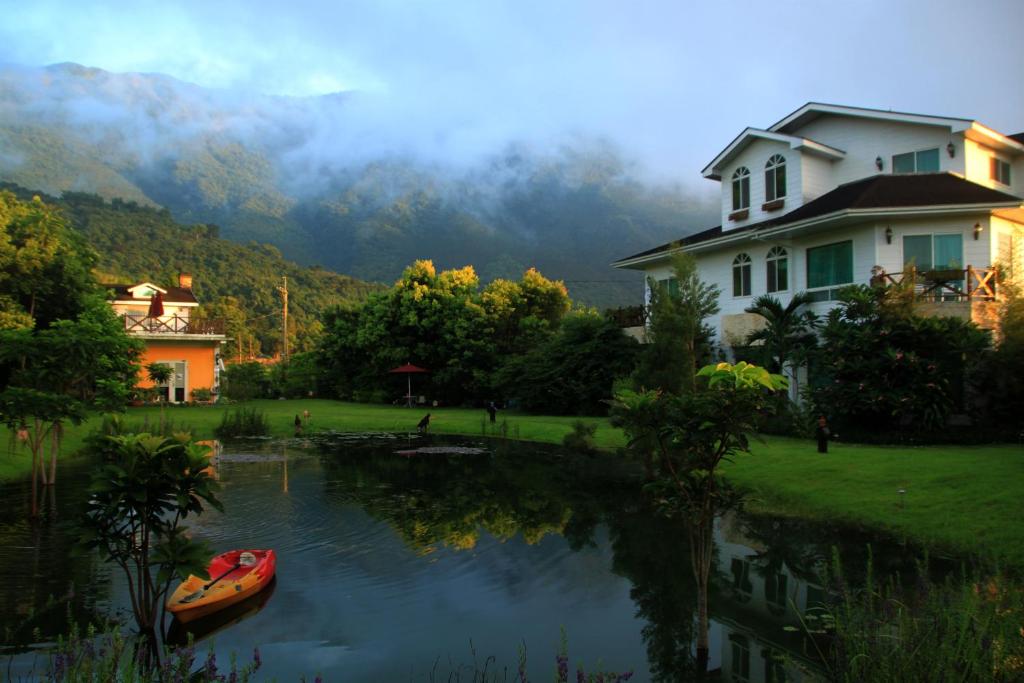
(234, 281)
(302, 174)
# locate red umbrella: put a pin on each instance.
(156, 305)
(408, 370)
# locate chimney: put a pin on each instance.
(185, 280)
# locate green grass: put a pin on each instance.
(966, 499)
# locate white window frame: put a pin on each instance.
(740, 176)
(915, 152)
(776, 254)
(742, 261)
(994, 167)
(772, 166)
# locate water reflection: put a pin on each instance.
(388, 561)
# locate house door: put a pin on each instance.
(178, 380)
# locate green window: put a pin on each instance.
(925, 161)
(931, 252)
(1000, 171)
(830, 265)
(671, 286)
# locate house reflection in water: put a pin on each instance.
(757, 595)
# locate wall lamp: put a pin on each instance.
(878, 163)
(977, 230)
(888, 234)
(951, 150)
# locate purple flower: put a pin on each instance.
(256, 657)
(210, 668)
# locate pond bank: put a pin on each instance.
(964, 499)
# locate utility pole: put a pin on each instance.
(284, 297)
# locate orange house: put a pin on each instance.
(191, 348)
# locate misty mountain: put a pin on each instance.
(314, 177)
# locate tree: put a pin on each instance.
(573, 371)
(788, 334)
(677, 334)
(686, 437)
(884, 372)
(139, 497)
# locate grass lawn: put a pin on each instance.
(961, 498)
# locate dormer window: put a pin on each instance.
(741, 275)
(775, 178)
(741, 188)
(777, 263)
(1000, 171)
(925, 161)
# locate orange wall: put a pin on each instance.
(200, 357)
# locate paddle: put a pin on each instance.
(196, 595)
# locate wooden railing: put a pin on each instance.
(172, 324)
(945, 284)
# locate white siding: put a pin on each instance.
(977, 252)
(865, 139)
(979, 168)
(754, 157)
(1016, 230)
(817, 176)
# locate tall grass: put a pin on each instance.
(242, 422)
(966, 627)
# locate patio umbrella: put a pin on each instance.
(408, 370)
(156, 305)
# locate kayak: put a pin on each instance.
(234, 576)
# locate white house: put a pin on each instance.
(834, 195)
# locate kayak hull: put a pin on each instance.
(240, 583)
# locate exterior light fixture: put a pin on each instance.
(977, 230)
(951, 150)
(888, 234)
(878, 163)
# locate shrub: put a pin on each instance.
(581, 438)
(245, 381)
(202, 394)
(242, 422)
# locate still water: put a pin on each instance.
(409, 559)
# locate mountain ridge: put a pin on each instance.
(306, 175)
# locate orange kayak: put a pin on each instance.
(234, 576)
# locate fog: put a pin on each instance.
(327, 85)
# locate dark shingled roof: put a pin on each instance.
(873, 192)
(1019, 137)
(174, 295)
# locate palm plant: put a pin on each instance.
(159, 373)
(788, 333)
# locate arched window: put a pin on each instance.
(741, 275)
(775, 178)
(740, 188)
(778, 269)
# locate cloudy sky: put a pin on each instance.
(671, 81)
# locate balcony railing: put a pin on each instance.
(946, 284)
(172, 324)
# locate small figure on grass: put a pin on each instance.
(424, 424)
(823, 434)
(298, 426)
(305, 417)
(492, 411)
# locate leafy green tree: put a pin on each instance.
(678, 335)
(245, 381)
(997, 383)
(788, 334)
(883, 372)
(573, 371)
(139, 497)
(687, 437)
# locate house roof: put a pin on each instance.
(749, 135)
(1019, 137)
(873, 192)
(171, 295)
(969, 127)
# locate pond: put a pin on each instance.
(410, 558)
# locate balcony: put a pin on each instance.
(945, 285)
(172, 325)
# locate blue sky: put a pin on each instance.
(672, 82)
